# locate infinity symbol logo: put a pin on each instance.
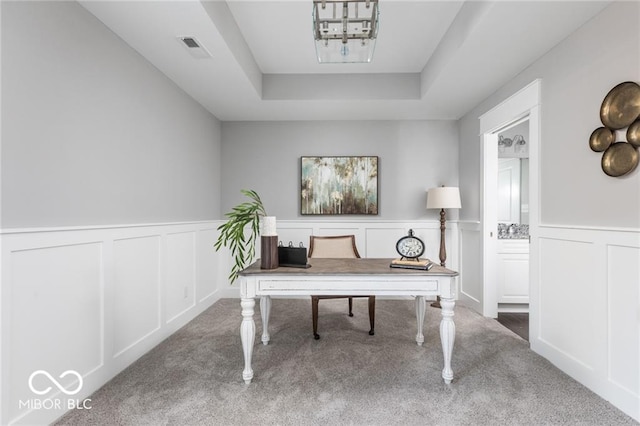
(55, 382)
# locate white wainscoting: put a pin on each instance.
(94, 300)
(470, 286)
(586, 319)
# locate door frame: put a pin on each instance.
(525, 104)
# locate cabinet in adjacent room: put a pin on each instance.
(513, 275)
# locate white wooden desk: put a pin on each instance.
(346, 277)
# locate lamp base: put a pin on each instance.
(443, 251)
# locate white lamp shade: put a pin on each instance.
(444, 197)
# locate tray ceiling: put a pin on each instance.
(433, 59)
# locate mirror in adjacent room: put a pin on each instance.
(513, 181)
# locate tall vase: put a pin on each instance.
(268, 243)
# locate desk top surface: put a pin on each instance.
(361, 266)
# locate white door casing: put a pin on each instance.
(522, 105)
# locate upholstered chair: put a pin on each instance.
(338, 246)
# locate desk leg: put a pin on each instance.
(420, 309)
(265, 311)
(447, 336)
(247, 335)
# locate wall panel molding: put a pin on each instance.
(112, 259)
(179, 274)
(590, 305)
(137, 290)
(93, 300)
(470, 261)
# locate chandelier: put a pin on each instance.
(345, 30)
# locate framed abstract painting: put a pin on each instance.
(339, 186)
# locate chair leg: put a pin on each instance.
(372, 314)
(350, 306)
(314, 314)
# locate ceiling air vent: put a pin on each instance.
(194, 47)
(190, 42)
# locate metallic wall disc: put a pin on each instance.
(621, 106)
(619, 159)
(601, 138)
(633, 134)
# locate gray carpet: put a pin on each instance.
(347, 377)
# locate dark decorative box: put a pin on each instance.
(292, 256)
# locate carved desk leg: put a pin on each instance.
(265, 311)
(247, 335)
(420, 309)
(447, 336)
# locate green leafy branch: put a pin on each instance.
(232, 233)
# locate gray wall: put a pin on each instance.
(413, 156)
(92, 134)
(576, 76)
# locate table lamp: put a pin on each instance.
(443, 197)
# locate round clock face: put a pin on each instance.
(410, 246)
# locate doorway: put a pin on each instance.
(522, 106)
(513, 218)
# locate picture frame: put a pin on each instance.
(332, 185)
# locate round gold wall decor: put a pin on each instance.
(619, 159)
(621, 106)
(601, 138)
(633, 134)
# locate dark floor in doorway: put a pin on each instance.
(516, 322)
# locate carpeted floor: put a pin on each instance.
(345, 378)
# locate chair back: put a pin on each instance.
(335, 246)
